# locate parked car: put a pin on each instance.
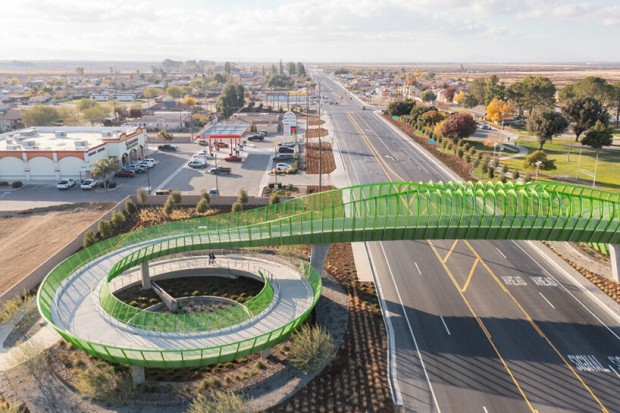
(219, 170)
(288, 144)
(285, 149)
(146, 164)
(136, 168)
(255, 137)
(168, 148)
(283, 157)
(282, 166)
(221, 144)
(125, 173)
(213, 192)
(196, 164)
(233, 158)
(65, 183)
(89, 184)
(263, 133)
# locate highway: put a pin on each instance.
(479, 326)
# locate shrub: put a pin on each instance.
(218, 401)
(505, 169)
(503, 179)
(102, 382)
(118, 219)
(290, 187)
(311, 347)
(291, 171)
(476, 163)
(450, 145)
(473, 151)
(11, 307)
(528, 177)
(516, 174)
(491, 173)
(274, 198)
(484, 168)
(459, 153)
(4, 183)
(468, 158)
(130, 207)
(168, 207)
(17, 184)
(30, 354)
(89, 238)
(271, 185)
(175, 196)
(242, 196)
(111, 184)
(105, 229)
(237, 207)
(141, 195)
(547, 164)
(202, 206)
(205, 195)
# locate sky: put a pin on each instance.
(381, 31)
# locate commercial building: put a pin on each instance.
(54, 153)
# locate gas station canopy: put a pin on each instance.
(218, 131)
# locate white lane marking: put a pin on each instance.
(445, 325)
(548, 302)
(587, 362)
(415, 341)
(485, 409)
(419, 272)
(575, 283)
(501, 253)
(614, 370)
(172, 175)
(514, 280)
(392, 366)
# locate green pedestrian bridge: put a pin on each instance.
(77, 297)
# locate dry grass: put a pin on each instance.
(311, 347)
(218, 402)
(101, 381)
(13, 306)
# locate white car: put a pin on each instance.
(282, 166)
(196, 164)
(288, 144)
(89, 184)
(147, 164)
(65, 183)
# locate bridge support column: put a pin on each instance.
(318, 256)
(137, 373)
(146, 279)
(614, 256)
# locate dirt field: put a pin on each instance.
(29, 239)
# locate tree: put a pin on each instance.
(499, 110)
(539, 156)
(591, 86)
(152, 92)
(227, 68)
(292, 69)
(428, 96)
(189, 101)
(165, 135)
(530, 93)
(546, 123)
(615, 101)
(400, 107)
(280, 68)
(85, 103)
(466, 100)
(135, 113)
(41, 116)
(103, 167)
(448, 93)
(431, 117)
(95, 114)
(242, 196)
(231, 99)
(484, 90)
(301, 70)
(598, 136)
(582, 113)
(458, 126)
(174, 92)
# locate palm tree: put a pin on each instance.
(103, 167)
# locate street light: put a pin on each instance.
(538, 163)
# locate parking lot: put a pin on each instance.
(171, 172)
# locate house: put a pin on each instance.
(10, 120)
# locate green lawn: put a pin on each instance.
(607, 174)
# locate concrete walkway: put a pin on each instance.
(76, 309)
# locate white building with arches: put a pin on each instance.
(54, 153)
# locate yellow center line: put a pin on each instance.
(538, 330)
(451, 249)
(483, 327)
(471, 273)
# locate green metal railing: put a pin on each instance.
(376, 212)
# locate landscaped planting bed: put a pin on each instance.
(239, 290)
(326, 156)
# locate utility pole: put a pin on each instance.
(307, 111)
(320, 145)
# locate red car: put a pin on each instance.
(233, 158)
(221, 144)
(125, 173)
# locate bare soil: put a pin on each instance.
(314, 133)
(326, 155)
(29, 239)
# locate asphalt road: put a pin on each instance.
(479, 326)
